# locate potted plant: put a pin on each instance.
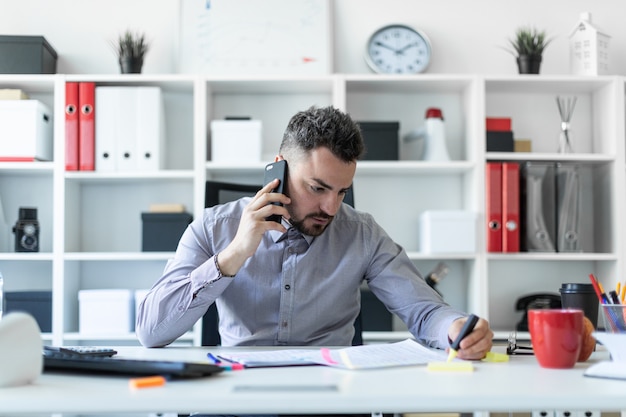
(528, 46)
(131, 49)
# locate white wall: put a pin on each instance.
(468, 36)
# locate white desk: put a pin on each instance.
(518, 385)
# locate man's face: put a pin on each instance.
(317, 184)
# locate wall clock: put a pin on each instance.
(398, 49)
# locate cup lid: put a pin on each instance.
(576, 287)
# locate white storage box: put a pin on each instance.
(448, 231)
(106, 311)
(236, 141)
(25, 131)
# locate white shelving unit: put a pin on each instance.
(91, 221)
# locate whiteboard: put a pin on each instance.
(255, 37)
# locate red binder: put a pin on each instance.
(86, 130)
(71, 126)
(510, 207)
(493, 205)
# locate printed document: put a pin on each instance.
(407, 352)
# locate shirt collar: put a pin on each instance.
(278, 236)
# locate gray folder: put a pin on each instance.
(537, 204)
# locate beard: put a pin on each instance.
(315, 229)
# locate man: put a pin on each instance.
(297, 282)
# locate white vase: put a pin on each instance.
(435, 135)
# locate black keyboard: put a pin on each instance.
(59, 361)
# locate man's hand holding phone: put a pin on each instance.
(253, 225)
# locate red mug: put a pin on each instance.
(556, 336)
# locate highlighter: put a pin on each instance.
(467, 329)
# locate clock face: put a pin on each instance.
(398, 49)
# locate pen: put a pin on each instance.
(467, 329)
(232, 365)
(596, 288)
(213, 358)
(605, 297)
(614, 297)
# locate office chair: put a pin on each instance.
(378, 318)
(219, 192)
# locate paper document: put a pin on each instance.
(268, 358)
(616, 367)
(407, 352)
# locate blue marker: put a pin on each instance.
(214, 359)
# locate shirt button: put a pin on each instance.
(285, 324)
(287, 287)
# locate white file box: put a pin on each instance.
(448, 231)
(106, 311)
(25, 131)
(236, 141)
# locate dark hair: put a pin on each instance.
(325, 126)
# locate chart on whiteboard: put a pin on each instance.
(255, 37)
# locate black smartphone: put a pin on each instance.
(272, 171)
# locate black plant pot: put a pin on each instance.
(131, 65)
(529, 64)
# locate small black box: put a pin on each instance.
(381, 140)
(26, 55)
(36, 303)
(500, 141)
(162, 231)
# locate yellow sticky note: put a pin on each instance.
(458, 366)
(496, 357)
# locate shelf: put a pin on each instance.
(27, 168)
(552, 256)
(364, 167)
(33, 84)
(552, 84)
(108, 338)
(125, 177)
(552, 157)
(26, 256)
(91, 221)
(440, 256)
(118, 256)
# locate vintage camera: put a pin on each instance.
(26, 231)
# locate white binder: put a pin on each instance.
(150, 129)
(129, 126)
(106, 128)
(126, 135)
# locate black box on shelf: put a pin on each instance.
(26, 55)
(381, 140)
(162, 231)
(500, 141)
(36, 303)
